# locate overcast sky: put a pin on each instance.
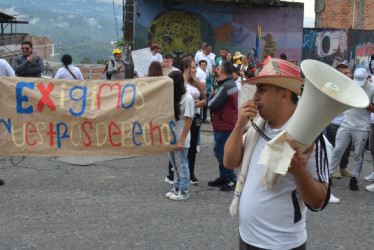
(309, 15)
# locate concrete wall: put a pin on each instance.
(224, 26)
(43, 46)
(336, 45)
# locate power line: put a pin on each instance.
(115, 18)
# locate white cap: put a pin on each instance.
(360, 76)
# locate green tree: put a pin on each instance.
(101, 61)
(86, 60)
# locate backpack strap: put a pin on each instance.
(71, 73)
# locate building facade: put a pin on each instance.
(345, 14)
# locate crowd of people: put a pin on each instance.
(204, 83)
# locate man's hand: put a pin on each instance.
(311, 191)
(31, 58)
(119, 66)
(248, 110)
(180, 145)
(299, 160)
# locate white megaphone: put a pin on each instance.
(327, 93)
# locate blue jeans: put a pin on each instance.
(220, 138)
(181, 171)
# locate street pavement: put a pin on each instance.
(119, 203)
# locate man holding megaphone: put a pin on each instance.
(273, 216)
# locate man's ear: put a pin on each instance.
(287, 94)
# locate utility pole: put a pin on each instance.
(128, 34)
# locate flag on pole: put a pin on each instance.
(258, 40)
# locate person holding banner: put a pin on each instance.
(183, 112)
(275, 219)
(189, 74)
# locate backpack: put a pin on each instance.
(107, 74)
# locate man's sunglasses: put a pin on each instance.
(25, 48)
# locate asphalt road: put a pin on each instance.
(119, 203)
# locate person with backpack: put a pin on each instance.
(116, 67)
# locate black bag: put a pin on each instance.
(107, 74)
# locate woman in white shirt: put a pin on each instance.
(192, 86)
(68, 71)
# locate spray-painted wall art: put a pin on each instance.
(181, 27)
(178, 32)
(336, 46)
(329, 46)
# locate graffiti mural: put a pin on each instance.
(180, 27)
(363, 54)
(282, 32)
(178, 33)
(329, 46)
(309, 39)
(355, 47)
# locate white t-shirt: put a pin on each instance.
(6, 69)
(201, 75)
(266, 217)
(359, 119)
(339, 119)
(157, 57)
(63, 73)
(186, 106)
(195, 93)
(208, 58)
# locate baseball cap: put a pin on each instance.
(117, 51)
(360, 76)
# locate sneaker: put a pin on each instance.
(230, 186)
(333, 199)
(219, 182)
(337, 174)
(193, 179)
(345, 172)
(198, 148)
(169, 179)
(370, 178)
(173, 190)
(1, 182)
(182, 195)
(353, 184)
(206, 122)
(370, 188)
